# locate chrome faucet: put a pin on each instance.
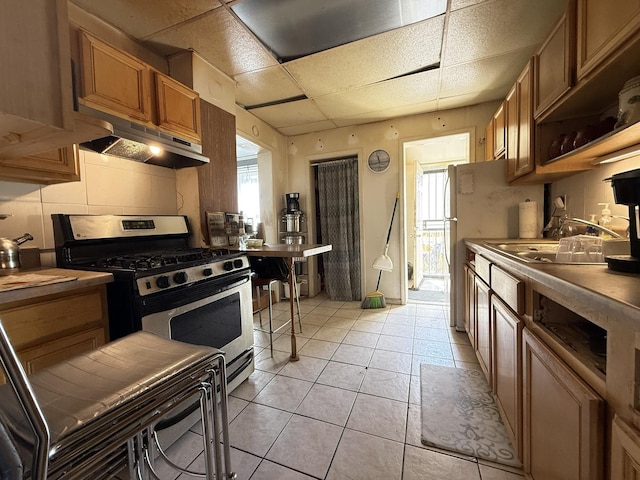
(565, 220)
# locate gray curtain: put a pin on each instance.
(340, 226)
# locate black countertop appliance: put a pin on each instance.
(626, 191)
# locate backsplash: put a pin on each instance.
(585, 190)
(109, 185)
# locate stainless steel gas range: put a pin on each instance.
(161, 285)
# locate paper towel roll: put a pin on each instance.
(528, 219)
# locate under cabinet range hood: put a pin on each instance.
(143, 144)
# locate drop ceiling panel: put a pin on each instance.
(307, 128)
(263, 86)
(287, 114)
(388, 114)
(220, 39)
(144, 17)
(489, 73)
(417, 88)
(370, 60)
(497, 27)
(458, 4)
(474, 98)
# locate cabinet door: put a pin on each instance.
(178, 108)
(483, 327)
(50, 353)
(470, 305)
(554, 63)
(603, 27)
(506, 330)
(113, 81)
(499, 140)
(489, 139)
(522, 161)
(625, 451)
(511, 128)
(563, 418)
(57, 166)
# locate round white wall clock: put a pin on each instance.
(379, 161)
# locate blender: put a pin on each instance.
(626, 191)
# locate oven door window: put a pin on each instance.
(215, 324)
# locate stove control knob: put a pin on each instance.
(162, 281)
(207, 272)
(237, 263)
(180, 277)
(227, 266)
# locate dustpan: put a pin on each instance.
(383, 262)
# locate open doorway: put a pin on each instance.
(426, 162)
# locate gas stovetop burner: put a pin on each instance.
(151, 260)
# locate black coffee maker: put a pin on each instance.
(293, 203)
(626, 191)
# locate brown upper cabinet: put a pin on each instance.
(499, 133)
(55, 166)
(554, 63)
(602, 27)
(488, 142)
(520, 126)
(119, 84)
(36, 98)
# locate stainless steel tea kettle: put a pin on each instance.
(10, 253)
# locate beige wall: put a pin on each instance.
(108, 185)
(378, 190)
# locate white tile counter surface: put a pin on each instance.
(83, 279)
(588, 289)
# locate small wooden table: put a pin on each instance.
(291, 252)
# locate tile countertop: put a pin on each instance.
(82, 279)
(591, 290)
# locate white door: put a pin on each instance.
(417, 250)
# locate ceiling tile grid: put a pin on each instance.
(263, 86)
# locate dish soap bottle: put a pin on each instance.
(591, 230)
(605, 219)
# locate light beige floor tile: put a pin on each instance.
(431, 322)
(183, 452)
(261, 339)
(379, 416)
(350, 313)
(408, 309)
(340, 322)
(419, 461)
(330, 334)
(320, 310)
(332, 304)
(307, 368)
(365, 457)
(319, 349)
(395, 319)
(306, 445)
(283, 343)
(328, 404)
(271, 471)
(391, 361)
(377, 315)
(464, 353)
(285, 393)
(395, 344)
(308, 330)
(264, 360)
(353, 355)
(494, 473)
(361, 339)
(342, 375)
(256, 428)
(431, 311)
(414, 390)
(468, 365)
(429, 348)
(242, 464)
(417, 360)
(414, 426)
(353, 305)
(382, 383)
(434, 334)
(367, 326)
(314, 319)
(398, 330)
(461, 338)
(248, 389)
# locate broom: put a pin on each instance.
(383, 262)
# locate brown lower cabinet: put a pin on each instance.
(483, 327)
(563, 418)
(52, 328)
(506, 329)
(625, 451)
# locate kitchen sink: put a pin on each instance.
(538, 251)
